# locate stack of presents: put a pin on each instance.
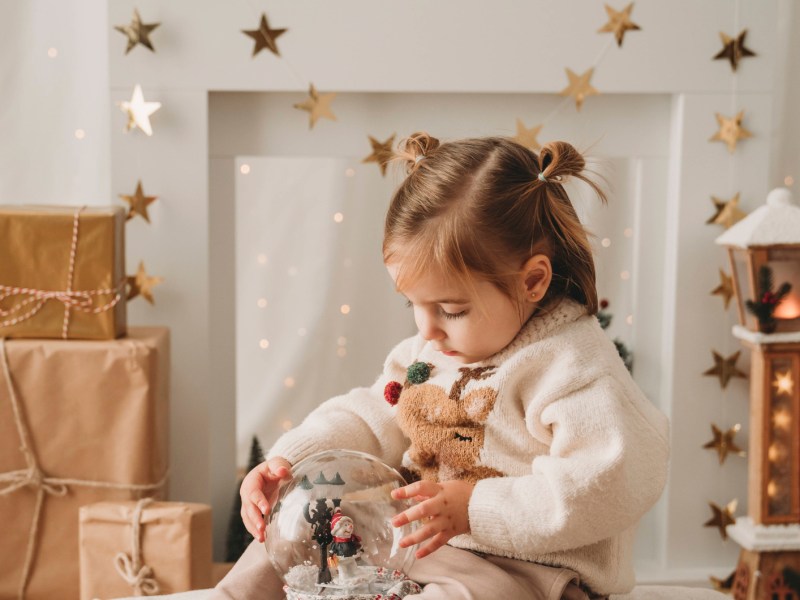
(84, 421)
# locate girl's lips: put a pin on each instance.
(449, 352)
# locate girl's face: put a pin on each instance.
(469, 325)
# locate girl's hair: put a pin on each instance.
(481, 207)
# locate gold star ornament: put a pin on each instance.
(724, 289)
(527, 137)
(730, 131)
(317, 105)
(723, 442)
(783, 383)
(733, 49)
(725, 368)
(727, 213)
(722, 517)
(142, 284)
(138, 203)
(137, 32)
(139, 111)
(265, 37)
(579, 87)
(619, 21)
(382, 152)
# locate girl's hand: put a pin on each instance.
(259, 492)
(442, 509)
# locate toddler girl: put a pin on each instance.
(533, 454)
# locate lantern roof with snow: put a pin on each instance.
(775, 223)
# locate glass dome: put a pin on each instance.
(330, 534)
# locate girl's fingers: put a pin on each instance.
(428, 508)
(418, 488)
(439, 540)
(257, 498)
(420, 535)
(256, 521)
(248, 524)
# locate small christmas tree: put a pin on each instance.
(764, 307)
(238, 537)
(605, 318)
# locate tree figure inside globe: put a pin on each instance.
(330, 534)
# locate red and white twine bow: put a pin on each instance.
(71, 299)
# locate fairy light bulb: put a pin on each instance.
(605, 243)
(262, 259)
(80, 134)
(788, 181)
(262, 303)
(244, 169)
(775, 452)
(52, 52)
(264, 344)
(772, 489)
(345, 309)
(341, 352)
(289, 382)
(338, 217)
(286, 425)
(628, 233)
(350, 172)
(625, 275)
(782, 418)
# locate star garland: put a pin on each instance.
(734, 49)
(265, 37)
(142, 284)
(139, 111)
(725, 368)
(138, 203)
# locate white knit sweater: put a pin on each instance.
(567, 452)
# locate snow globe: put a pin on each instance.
(330, 534)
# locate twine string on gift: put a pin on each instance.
(41, 483)
(79, 300)
(138, 576)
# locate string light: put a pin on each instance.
(262, 303)
(775, 452)
(772, 489)
(80, 134)
(789, 181)
(262, 259)
(629, 319)
(350, 172)
(628, 232)
(345, 308)
(289, 382)
(287, 425)
(625, 275)
(338, 217)
(244, 169)
(782, 418)
(342, 341)
(264, 344)
(52, 52)
(341, 352)
(606, 242)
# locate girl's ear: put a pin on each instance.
(536, 275)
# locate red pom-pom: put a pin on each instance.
(392, 392)
(603, 304)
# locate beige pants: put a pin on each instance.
(447, 574)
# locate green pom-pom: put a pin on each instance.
(419, 372)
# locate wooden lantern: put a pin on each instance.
(770, 534)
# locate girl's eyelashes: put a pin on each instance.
(442, 312)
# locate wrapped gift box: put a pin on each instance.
(92, 426)
(173, 552)
(38, 298)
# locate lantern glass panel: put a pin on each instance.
(785, 265)
(743, 292)
(781, 485)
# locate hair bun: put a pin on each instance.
(560, 160)
(416, 147)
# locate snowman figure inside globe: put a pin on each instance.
(346, 547)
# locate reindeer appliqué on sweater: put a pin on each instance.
(447, 429)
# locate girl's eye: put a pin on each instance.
(448, 315)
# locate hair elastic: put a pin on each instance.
(541, 177)
(418, 158)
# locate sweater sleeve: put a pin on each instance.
(359, 420)
(606, 467)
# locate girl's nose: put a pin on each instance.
(429, 329)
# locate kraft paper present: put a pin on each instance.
(173, 552)
(41, 296)
(92, 426)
